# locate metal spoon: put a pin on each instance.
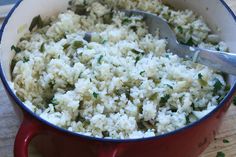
(222, 61)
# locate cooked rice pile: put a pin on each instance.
(122, 84)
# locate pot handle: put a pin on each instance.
(29, 128)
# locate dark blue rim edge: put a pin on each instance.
(22, 106)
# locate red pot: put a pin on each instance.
(53, 141)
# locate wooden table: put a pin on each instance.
(9, 126)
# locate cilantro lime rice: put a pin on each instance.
(122, 84)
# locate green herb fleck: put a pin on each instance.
(134, 28)
(137, 52)
(53, 102)
(66, 46)
(105, 133)
(227, 87)
(173, 108)
(220, 98)
(154, 96)
(201, 81)
(95, 95)
(107, 18)
(217, 86)
(190, 42)
(77, 44)
(199, 76)
(220, 154)
(169, 86)
(187, 119)
(81, 10)
(36, 22)
(16, 49)
(126, 21)
(225, 141)
(82, 119)
(167, 56)
(217, 48)
(103, 41)
(136, 60)
(140, 108)
(25, 59)
(180, 29)
(100, 59)
(51, 84)
(42, 47)
(142, 72)
(164, 99)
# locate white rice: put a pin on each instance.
(123, 84)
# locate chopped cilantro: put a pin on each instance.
(36, 22)
(53, 102)
(134, 28)
(140, 108)
(66, 46)
(154, 96)
(169, 86)
(81, 10)
(24, 38)
(80, 118)
(126, 21)
(80, 74)
(225, 141)
(167, 56)
(190, 42)
(217, 48)
(217, 86)
(199, 76)
(142, 72)
(77, 44)
(136, 60)
(137, 52)
(107, 18)
(95, 95)
(16, 49)
(227, 87)
(180, 29)
(51, 84)
(164, 99)
(201, 81)
(103, 41)
(100, 59)
(105, 133)
(187, 119)
(220, 154)
(42, 47)
(25, 59)
(220, 98)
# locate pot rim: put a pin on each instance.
(226, 99)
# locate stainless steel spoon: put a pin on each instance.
(221, 61)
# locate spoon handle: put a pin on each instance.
(222, 61)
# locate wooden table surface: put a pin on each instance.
(9, 125)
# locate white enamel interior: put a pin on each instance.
(213, 11)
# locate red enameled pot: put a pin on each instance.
(52, 141)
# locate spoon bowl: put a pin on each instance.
(220, 61)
